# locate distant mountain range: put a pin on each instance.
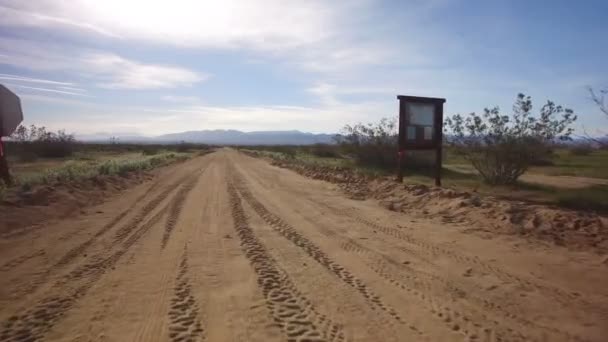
(219, 137)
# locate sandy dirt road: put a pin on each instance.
(228, 248)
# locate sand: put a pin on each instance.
(226, 247)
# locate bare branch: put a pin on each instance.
(599, 98)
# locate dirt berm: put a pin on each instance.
(573, 229)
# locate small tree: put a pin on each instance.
(38, 142)
(502, 147)
(371, 144)
(599, 98)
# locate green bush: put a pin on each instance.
(581, 150)
(74, 170)
(325, 151)
(150, 151)
(503, 147)
(30, 143)
(372, 145)
(591, 198)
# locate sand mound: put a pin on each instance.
(573, 229)
(20, 209)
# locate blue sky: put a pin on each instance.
(151, 67)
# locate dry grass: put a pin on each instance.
(100, 165)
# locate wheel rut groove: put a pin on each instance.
(292, 235)
(20, 260)
(421, 281)
(433, 250)
(185, 324)
(424, 284)
(123, 232)
(78, 250)
(290, 309)
(176, 207)
(36, 321)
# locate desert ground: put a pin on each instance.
(226, 247)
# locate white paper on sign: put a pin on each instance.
(422, 114)
(428, 133)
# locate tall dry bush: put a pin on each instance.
(371, 144)
(503, 147)
(34, 142)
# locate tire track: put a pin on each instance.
(472, 324)
(20, 260)
(36, 321)
(176, 207)
(291, 310)
(423, 284)
(125, 230)
(78, 250)
(41, 277)
(434, 250)
(291, 234)
(185, 324)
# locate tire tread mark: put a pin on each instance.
(292, 235)
(40, 277)
(355, 247)
(78, 250)
(36, 321)
(176, 208)
(291, 310)
(434, 250)
(185, 324)
(20, 260)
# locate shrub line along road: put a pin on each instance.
(226, 247)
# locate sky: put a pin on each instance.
(150, 67)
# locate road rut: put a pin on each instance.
(226, 247)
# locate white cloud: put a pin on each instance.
(46, 90)
(16, 17)
(121, 73)
(315, 35)
(105, 69)
(17, 78)
(80, 90)
(246, 118)
(267, 24)
(181, 99)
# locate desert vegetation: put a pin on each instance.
(522, 156)
(38, 156)
(502, 147)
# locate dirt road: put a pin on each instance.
(228, 248)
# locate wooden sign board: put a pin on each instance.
(420, 128)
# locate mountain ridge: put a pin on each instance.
(220, 137)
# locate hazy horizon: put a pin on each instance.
(152, 68)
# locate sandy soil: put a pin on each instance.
(226, 247)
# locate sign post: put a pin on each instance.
(11, 116)
(420, 128)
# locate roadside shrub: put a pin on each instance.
(371, 144)
(150, 151)
(183, 147)
(33, 142)
(581, 150)
(590, 198)
(502, 147)
(325, 151)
